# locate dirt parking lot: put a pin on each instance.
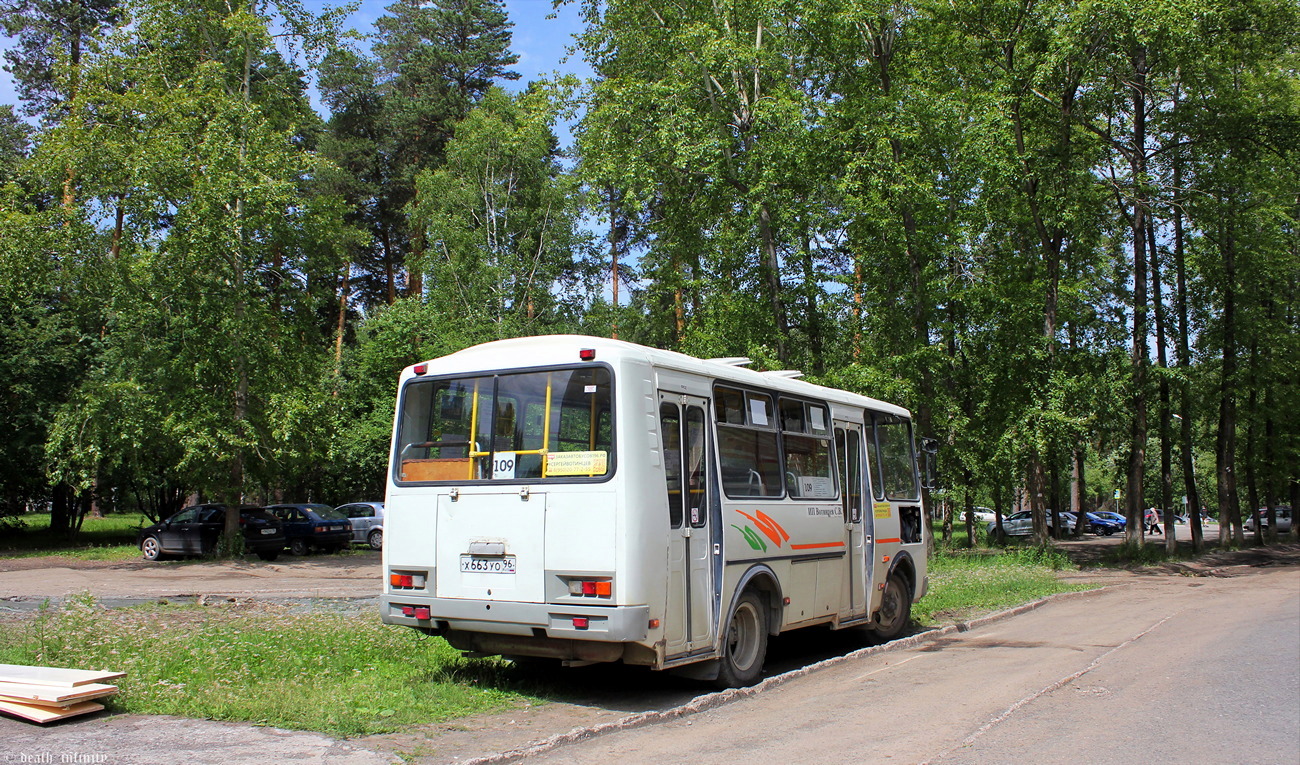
(32, 580)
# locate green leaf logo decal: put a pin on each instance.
(752, 537)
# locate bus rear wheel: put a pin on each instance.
(744, 647)
(895, 609)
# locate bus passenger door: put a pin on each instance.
(848, 444)
(688, 617)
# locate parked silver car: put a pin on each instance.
(1018, 524)
(1283, 513)
(367, 522)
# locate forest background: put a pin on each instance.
(1064, 234)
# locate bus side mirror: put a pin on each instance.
(930, 471)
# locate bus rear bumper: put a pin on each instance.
(609, 624)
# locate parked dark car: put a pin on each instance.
(367, 522)
(313, 527)
(195, 531)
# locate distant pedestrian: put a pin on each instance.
(1152, 521)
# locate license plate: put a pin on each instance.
(268, 531)
(476, 565)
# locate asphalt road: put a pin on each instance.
(1162, 670)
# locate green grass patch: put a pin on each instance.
(964, 584)
(109, 538)
(341, 674)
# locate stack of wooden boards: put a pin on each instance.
(45, 694)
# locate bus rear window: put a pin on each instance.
(522, 426)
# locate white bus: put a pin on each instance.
(592, 500)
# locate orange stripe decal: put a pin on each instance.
(817, 546)
(770, 528)
(765, 518)
(887, 541)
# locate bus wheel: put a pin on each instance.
(745, 645)
(895, 609)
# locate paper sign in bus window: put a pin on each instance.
(758, 411)
(503, 465)
(576, 463)
(817, 487)
(818, 418)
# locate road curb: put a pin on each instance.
(721, 698)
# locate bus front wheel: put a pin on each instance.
(744, 647)
(895, 609)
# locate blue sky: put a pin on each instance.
(542, 43)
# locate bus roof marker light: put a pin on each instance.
(587, 354)
(420, 369)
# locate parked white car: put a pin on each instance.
(367, 522)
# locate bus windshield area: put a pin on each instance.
(894, 474)
(554, 424)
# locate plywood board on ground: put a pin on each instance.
(41, 714)
(55, 676)
(48, 695)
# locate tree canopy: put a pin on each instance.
(1063, 234)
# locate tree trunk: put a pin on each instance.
(1166, 454)
(617, 233)
(1230, 531)
(813, 326)
(1078, 488)
(857, 309)
(772, 270)
(1194, 519)
(344, 289)
(74, 67)
(1037, 503)
(1138, 360)
(390, 270)
(1251, 456)
(119, 219)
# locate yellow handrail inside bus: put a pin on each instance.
(546, 426)
(473, 431)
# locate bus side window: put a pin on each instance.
(809, 467)
(747, 443)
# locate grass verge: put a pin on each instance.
(341, 674)
(109, 538)
(964, 584)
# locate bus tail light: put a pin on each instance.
(408, 580)
(408, 610)
(422, 613)
(580, 622)
(591, 588)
